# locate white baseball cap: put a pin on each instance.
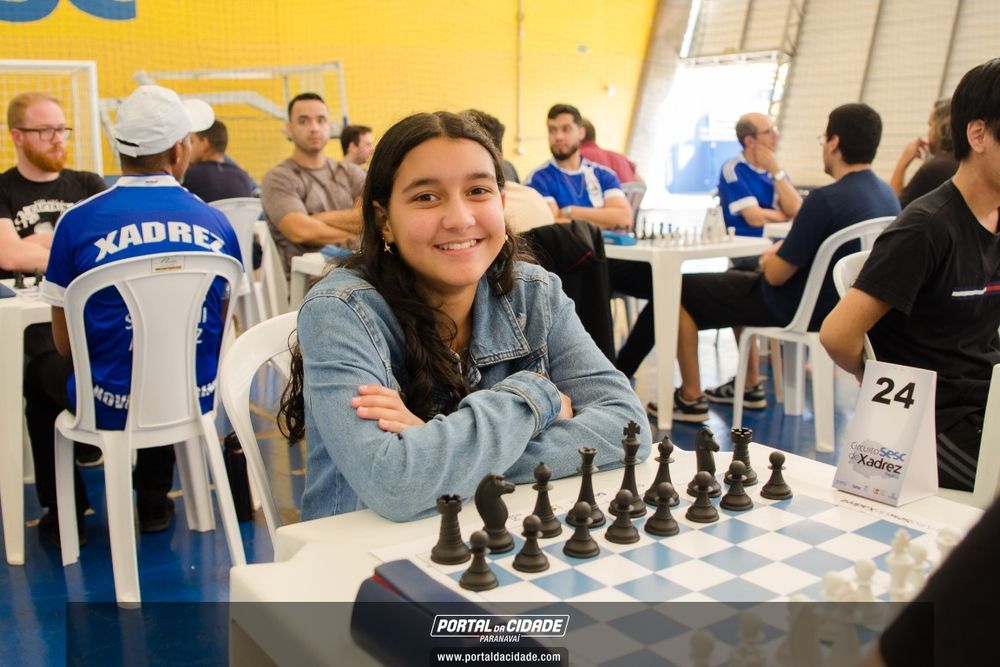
(153, 118)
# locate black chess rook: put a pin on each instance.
(666, 450)
(450, 548)
(741, 438)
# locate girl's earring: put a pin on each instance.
(387, 248)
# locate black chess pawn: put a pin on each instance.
(581, 544)
(702, 510)
(587, 470)
(631, 446)
(741, 437)
(38, 278)
(18, 280)
(662, 523)
(490, 504)
(621, 530)
(450, 549)
(705, 447)
(736, 498)
(776, 488)
(666, 449)
(479, 576)
(531, 558)
(550, 526)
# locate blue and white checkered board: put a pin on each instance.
(767, 554)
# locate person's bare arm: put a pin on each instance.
(616, 214)
(17, 254)
(777, 271)
(913, 150)
(757, 216)
(347, 220)
(789, 200)
(40, 240)
(60, 332)
(302, 228)
(843, 331)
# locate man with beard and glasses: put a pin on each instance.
(35, 192)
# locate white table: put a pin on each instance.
(309, 265)
(16, 313)
(326, 560)
(777, 230)
(666, 261)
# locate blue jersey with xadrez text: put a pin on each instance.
(139, 215)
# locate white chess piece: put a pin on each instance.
(803, 634)
(702, 645)
(946, 541)
(864, 571)
(748, 653)
(918, 575)
(846, 649)
(900, 563)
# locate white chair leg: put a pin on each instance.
(223, 493)
(194, 481)
(777, 369)
(740, 383)
(69, 539)
(794, 371)
(822, 383)
(121, 522)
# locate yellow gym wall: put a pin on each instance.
(398, 57)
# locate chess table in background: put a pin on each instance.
(778, 549)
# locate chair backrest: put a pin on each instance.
(821, 263)
(243, 214)
(988, 468)
(267, 342)
(272, 272)
(845, 272)
(164, 294)
(634, 192)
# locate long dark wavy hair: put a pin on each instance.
(430, 363)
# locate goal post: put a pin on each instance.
(74, 84)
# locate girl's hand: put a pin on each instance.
(566, 412)
(384, 405)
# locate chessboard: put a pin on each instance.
(807, 548)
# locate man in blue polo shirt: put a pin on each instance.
(770, 296)
(146, 212)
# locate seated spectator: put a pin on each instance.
(210, 175)
(623, 167)
(927, 295)
(770, 296)
(936, 152)
(357, 143)
(443, 356)
(151, 130)
(309, 199)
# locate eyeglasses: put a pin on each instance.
(48, 133)
(771, 130)
(821, 139)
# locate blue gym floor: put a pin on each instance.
(180, 565)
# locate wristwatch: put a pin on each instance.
(565, 211)
(779, 175)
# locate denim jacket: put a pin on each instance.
(525, 347)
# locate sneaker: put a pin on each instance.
(156, 520)
(754, 397)
(48, 529)
(689, 411)
(88, 456)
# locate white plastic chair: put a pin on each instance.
(267, 342)
(243, 214)
(164, 294)
(797, 331)
(845, 272)
(272, 272)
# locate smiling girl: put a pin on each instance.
(435, 356)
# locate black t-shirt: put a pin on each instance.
(931, 174)
(939, 269)
(953, 621)
(857, 196)
(36, 206)
(213, 181)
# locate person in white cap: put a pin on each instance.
(145, 212)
